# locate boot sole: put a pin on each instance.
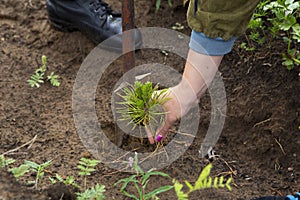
(62, 25)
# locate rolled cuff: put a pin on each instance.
(210, 46)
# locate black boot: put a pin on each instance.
(94, 18)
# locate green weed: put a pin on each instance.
(282, 16)
(140, 180)
(38, 77)
(87, 166)
(39, 169)
(5, 162)
(158, 2)
(204, 181)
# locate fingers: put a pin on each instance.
(173, 112)
(149, 135)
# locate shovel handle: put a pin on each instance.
(128, 38)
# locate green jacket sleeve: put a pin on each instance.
(220, 18)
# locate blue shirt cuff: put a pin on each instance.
(210, 46)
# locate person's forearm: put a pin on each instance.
(200, 70)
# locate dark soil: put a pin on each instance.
(259, 146)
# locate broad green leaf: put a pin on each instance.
(82, 168)
(125, 182)
(20, 171)
(84, 173)
(289, 64)
(32, 165)
(148, 174)
(131, 195)
(159, 190)
(293, 6)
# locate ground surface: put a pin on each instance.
(260, 141)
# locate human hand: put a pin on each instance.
(198, 73)
(180, 99)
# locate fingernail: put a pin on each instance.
(158, 138)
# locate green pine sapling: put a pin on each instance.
(141, 103)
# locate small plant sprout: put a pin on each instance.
(87, 166)
(165, 52)
(95, 193)
(244, 46)
(292, 57)
(178, 27)
(158, 2)
(140, 105)
(16, 171)
(5, 162)
(69, 180)
(204, 181)
(38, 169)
(140, 180)
(39, 75)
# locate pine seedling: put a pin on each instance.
(141, 104)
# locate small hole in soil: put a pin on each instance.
(132, 143)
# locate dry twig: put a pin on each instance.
(16, 149)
